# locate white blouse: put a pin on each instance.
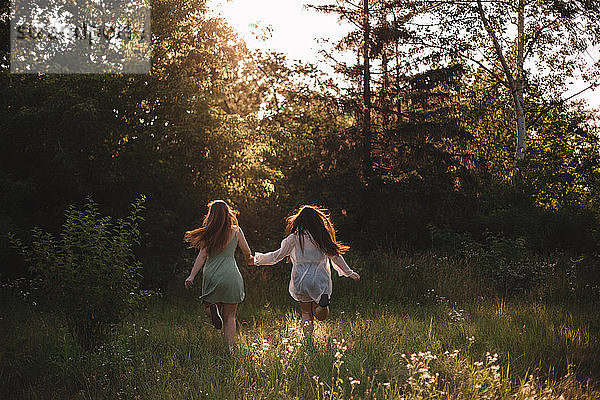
(311, 276)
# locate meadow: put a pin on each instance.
(478, 177)
(410, 329)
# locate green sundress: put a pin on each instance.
(221, 279)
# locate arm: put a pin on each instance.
(342, 268)
(243, 245)
(274, 257)
(197, 265)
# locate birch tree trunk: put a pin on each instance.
(514, 83)
(521, 146)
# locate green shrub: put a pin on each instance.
(504, 262)
(91, 274)
(583, 277)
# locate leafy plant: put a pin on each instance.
(583, 276)
(91, 273)
(503, 261)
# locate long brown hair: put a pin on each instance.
(213, 235)
(314, 220)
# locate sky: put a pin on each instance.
(295, 31)
(294, 27)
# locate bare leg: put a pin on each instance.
(307, 319)
(319, 312)
(229, 323)
(206, 308)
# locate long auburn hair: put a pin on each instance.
(315, 220)
(213, 235)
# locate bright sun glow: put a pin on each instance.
(290, 27)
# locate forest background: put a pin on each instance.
(441, 138)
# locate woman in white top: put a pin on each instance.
(310, 245)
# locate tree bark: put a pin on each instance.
(366, 128)
(515, 84)
(397, 93)
(518, 100)
(385, 112)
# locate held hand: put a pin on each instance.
(251, 260)
(189, 282)
(355, 277)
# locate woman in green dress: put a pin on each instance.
(222, 283)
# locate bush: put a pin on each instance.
(504, 262)
(583, 277)
(91, 274)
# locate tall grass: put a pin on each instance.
(402, 332)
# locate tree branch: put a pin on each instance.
(536, 36)
(497, 47)
(466, 57)
(561, 101)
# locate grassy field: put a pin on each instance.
(376, 344)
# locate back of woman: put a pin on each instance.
(308, 251)
(310, 244)
(222, 283)
(221, 280)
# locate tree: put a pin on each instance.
(90, 274)
(410, 122)
(562, 167)
(183, 134)
(361, 42)
(515, 42)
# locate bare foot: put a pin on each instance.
(321, 313)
